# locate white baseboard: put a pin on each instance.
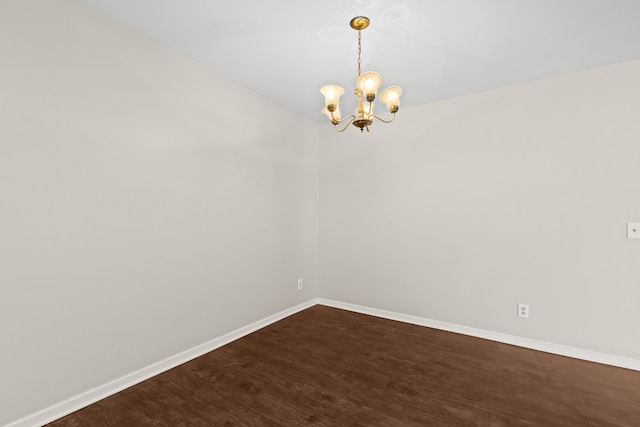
(576, 353)
(81, 400)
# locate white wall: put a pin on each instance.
(144, 208)
(463, 208)
(140, 215)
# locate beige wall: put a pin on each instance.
(139, 214)
(463, 208)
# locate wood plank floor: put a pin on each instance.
(330, 367)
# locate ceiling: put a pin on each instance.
(434, 49)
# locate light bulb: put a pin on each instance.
(369, 83)
(391, 98)
(332, 94)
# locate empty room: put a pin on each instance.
(323, 213)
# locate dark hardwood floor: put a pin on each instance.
(330, 367)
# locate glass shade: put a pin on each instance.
(332, 94)
(369, 83)
(367, 110)
(336, 114)
(391, 98)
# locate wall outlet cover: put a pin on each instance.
(523, 310)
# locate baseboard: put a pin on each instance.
(576, 353)
(79, 401)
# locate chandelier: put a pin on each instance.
(367, 87)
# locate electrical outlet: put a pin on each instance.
(299, 284)
(633, 230)
(523, 310)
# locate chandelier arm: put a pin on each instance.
(347, 125)
(370, 112)
(385, 121)
(336, 121)
(350, 116)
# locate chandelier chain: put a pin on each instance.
(359, 50)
